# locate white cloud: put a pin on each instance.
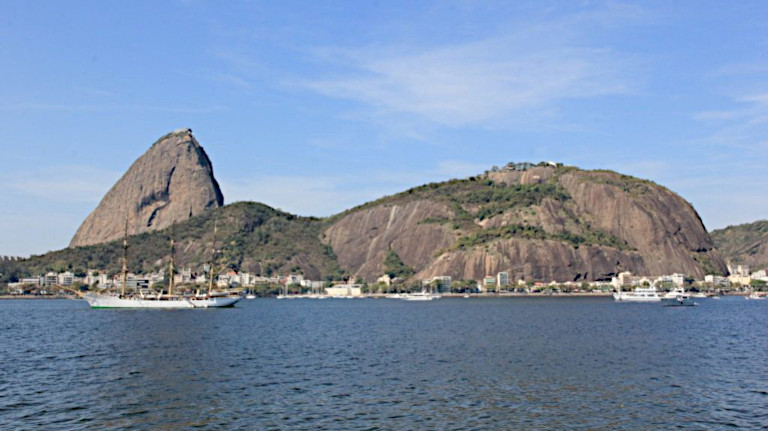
(476, 83)
(743, 126)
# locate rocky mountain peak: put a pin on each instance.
(170, 183)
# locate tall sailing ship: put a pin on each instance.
(146, 298)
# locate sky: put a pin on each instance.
(317, 106)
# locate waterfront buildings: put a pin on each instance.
(344, 290)
(502, 279)
(442, 283)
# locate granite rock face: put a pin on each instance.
(744, 244)
(170, 183)
(545, 223)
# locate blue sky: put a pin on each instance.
(314, 107)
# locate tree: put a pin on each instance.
(394, 266)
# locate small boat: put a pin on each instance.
(679, 301)
(250, 296)
(754, 296)
(640, 294)
(672, 294)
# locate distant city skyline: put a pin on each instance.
(315, 107)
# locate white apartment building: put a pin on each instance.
(65, 278)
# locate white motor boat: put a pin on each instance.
(674, 293)
(640, 294)
(679, 301)
(420, 296)
(754, 296)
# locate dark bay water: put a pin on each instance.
(518, 363)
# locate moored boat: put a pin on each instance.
(674, 293)
(640, 294)
(134, 301)
(143, 298)
(420, 296)
(679, 301)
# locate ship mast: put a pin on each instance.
(125, 258)
(213, 257)
(171, 266)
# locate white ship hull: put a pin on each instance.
(634, 297)
(421, 296)
(215, 302)
(112, 301)
(679, 301)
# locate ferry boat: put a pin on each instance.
(640, 294)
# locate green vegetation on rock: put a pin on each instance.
(250, 237)
(485, 236)
(394, 266)
(744, 244)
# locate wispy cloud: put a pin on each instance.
(740, 69)
(77, 184)
(742, 125)
(477, 83)
(64, 107)
(45, 205)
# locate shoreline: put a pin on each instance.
(444, 295)
(37, 297)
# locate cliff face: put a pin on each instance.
(362, 239)
(544, 223)
(171, 182)
(744, 244)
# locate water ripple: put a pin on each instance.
(377, 364)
